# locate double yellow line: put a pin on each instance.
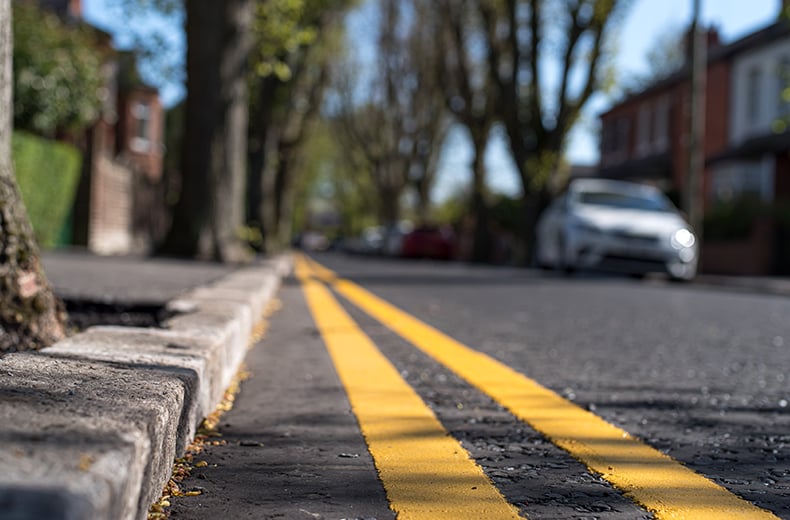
(428, 475)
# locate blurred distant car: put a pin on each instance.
(393, 238)
(369, 242)
(312, 241)
(428, 242)
(616, 225)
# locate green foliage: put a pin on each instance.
(280, 29)
(507, 213)
(329, 180)
(47, 173)
(57, 73)
(285, 27)
(453, 208)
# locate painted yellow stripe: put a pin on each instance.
(426, 473)
(648, 476)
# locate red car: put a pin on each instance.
(428, 242)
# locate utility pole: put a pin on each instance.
(693, 200)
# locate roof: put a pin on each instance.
(716, 54)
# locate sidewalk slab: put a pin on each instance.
(92, 424)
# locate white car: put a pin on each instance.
(616, 225)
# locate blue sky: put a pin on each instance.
(643, 23)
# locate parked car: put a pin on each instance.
(428, 242)
(616, 225)
(393, 238)
(368, 243)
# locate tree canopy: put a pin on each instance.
(57, 73)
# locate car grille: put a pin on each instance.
(634, 238)
(625, 263)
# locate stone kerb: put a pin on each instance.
(79, 425)
(91, 426)
(194, 361)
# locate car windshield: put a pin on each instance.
(622, 200)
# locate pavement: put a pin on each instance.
(91, 426)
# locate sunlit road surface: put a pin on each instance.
(428, 474)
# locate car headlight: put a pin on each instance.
(683, 238)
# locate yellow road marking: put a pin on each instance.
(646, 475)
(426, 473)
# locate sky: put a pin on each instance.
(643, 23)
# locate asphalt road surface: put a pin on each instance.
(596, 397)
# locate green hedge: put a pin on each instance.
(47, 173)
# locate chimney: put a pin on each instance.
(712, 39)
(75, 9)
(66, 10)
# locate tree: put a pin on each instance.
(329, 182)
(210, 211)
(296, 43)
(424, 106)
(30, 315)
(471, 98)
(57, 73)
(666, 56)
(523, 37)
(398, 120)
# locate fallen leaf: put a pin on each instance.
(86, 461)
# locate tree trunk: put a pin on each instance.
(30, 315)
(276, 191)
(482, 243)
(423, 187)
(261, 125)
(211, 210)
(389, 205)
(532, 204)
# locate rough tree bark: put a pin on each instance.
(30, 315)
(211, 209)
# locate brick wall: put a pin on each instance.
(110, 224)
(145, 153)
(754, 255)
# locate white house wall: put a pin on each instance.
(762, 66)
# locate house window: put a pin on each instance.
(644, 137)
(753, 97)
(745, 179)
(607, 135)
(661, 125)
(141, 135)
(621, 139)
(782, 86)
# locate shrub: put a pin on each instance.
(735, 220)
(47, 174)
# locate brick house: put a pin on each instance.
(644, 136)
(756, 163)
(119, 207)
